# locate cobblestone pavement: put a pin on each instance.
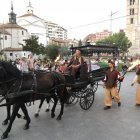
(94, 124)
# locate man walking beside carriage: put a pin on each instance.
(111, 91)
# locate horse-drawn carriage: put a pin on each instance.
(42, 85)
(84, 89)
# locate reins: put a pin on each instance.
(8, 81)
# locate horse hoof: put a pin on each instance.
(4, 136)
(52, 115)
(58, 118)
(26, 127)
(4, 122)
(36, 115)
(47, 110)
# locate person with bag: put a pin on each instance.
(110, 80)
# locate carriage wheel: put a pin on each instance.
(70, 99)
(87, 99)
(94, 86)
(70, 96)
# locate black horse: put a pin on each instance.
(30, 87)
(4, 88)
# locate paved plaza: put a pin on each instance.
(118, 123)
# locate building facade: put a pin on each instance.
(44, 30)
(133, 25)
(13, 33)
(93, 38)
(12, 36)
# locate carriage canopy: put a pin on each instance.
(89, 50)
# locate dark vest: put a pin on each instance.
(112, 77)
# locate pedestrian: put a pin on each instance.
(137, 80)
(116, 63)
(23, 65)
(30, 62)
(111, 91)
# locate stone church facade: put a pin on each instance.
(133, 26)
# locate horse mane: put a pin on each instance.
(9, 68)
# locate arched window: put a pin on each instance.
(5, 37)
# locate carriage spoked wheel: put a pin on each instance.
(87, 98)
(94, 86)
(70, 99)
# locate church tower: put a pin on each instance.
(133, 25)
(12, 15)
(30, 8)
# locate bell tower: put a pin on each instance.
(12, 15)
(133, 25)
(30, 8)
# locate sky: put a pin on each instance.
(79, 17)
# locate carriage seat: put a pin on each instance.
(81, 75)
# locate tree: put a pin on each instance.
(32, 45)
(52, 51)
(119, 39)
(64, 51)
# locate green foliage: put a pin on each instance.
(64, 51)
(119, 39)
(32, 45)
(52, 51)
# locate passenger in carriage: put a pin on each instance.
(75, 62)
(111, 91)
